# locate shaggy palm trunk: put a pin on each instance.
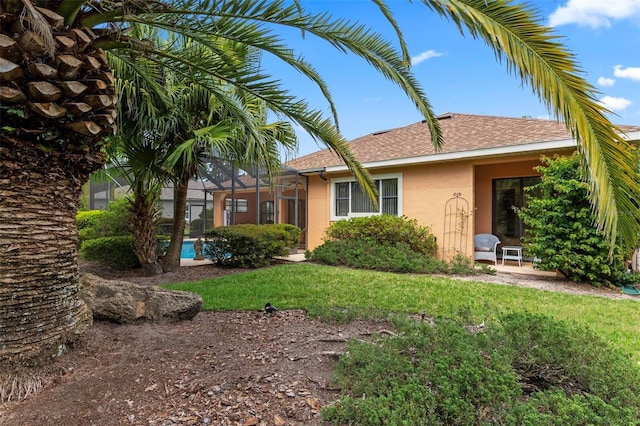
(171, 260)
(40, 311)
(57, 98)
(144, 232)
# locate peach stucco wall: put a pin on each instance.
(425, 192)
(318, 214)
(250, 195)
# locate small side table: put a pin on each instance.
(512, 253)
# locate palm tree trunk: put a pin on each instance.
(40, 308)
(171, 260)
(145, 245)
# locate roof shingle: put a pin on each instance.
(461, 132)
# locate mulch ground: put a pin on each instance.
(222, 368)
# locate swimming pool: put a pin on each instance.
(187, 250)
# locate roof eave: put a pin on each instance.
(464, 155)
(477, 153)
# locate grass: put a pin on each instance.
(321, 289)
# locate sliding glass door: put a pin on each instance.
(508, 194)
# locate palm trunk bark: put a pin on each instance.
(171, 260)
(143, 211)
(40, 307)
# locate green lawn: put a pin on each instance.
(319, 289)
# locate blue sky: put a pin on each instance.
(460, 74)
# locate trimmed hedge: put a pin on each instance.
(385, 230)
(88, 218)
(116, 251)
(389, 258)
(383, 243)
(249, 246)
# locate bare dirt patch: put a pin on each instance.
(222, 368)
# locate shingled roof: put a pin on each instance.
(461, 133)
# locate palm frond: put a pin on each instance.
(252, 23)
(532, 52)
(188, 154)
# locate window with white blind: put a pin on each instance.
(242, 206)
(349, 200)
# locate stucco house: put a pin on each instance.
(470, 186)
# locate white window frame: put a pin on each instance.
(332, 204)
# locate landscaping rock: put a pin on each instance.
(125, 302)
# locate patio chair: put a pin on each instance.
(485, 247)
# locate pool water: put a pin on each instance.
(187, 250)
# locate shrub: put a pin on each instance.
(249, 246)
(560, 229)
(115, 251)
(462, 265)
(363, 255)
(385, 230)
(91, 224)
(520, 370)
(287, 233)
(88, 218)
(104, 223)
(384, 243)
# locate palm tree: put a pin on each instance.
(135, 151)
(200, 137)
(534, 54)
(169, 129)
(57, 98)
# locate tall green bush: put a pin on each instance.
(104, 223)
(88, 218)
(115, 251)
(560, 226)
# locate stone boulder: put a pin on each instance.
(125, 302)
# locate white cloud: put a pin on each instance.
(632, 73)
(415, 60)
(615, 104)
(606, 82)
(594, 13)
